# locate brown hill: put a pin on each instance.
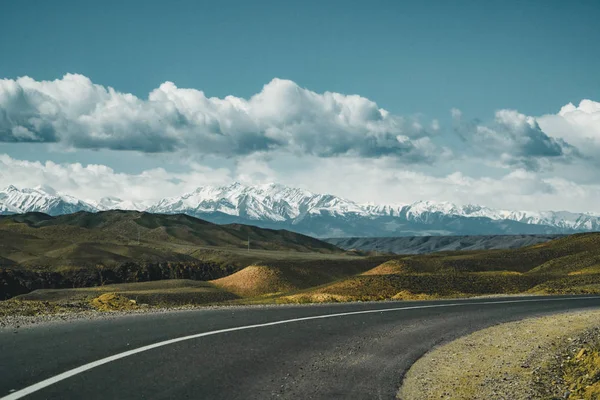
(86, 239)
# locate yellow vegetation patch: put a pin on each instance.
(113, 302)
(408, 295)
(540, 245)
(582, 374)
(586, 271)
(315, 298)
(387, 268)
(500, 273)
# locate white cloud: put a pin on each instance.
(513, 139)
(75, 112)
(578, 125)
(325, 142)
(92, 182)
(383, 181)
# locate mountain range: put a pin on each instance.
(320, 215)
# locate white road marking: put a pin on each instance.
(86, 367)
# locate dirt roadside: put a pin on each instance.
(537, 358)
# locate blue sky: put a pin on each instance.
(416, 60)
(410, 57)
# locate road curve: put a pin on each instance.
(345, 351)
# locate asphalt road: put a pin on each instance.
(362, 355)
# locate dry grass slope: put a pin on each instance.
(566, 265)
(284, 276)
(255, 280)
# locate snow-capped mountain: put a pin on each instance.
(6, 209)
(41, 199)
(114, 203)
(323, 215)
(270, 202)
(279, 206)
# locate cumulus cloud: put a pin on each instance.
(579, 125)
(513, 139)
(76, 112)
(289, 134)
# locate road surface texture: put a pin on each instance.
(360, 351)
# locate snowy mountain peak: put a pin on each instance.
(271, 202)
(280, 206)
(41, 199)
(115, 203)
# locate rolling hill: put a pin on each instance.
(101, 250)
(88, 249)
(86, 239)
(563, 266)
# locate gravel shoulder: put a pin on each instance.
(15, 314)
(517, 360)
(20, 314)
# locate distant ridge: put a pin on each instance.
(431, 244)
